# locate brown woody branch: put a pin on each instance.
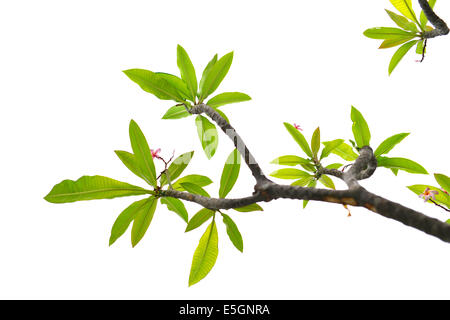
(355, 195)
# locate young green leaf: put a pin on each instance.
(176, 112)
(208, 135)
(177, 206)
(124, 219)
(303, 181)
(187, 71)
(215, 76)
(230, 173)
(315, 142)
(205, 255)
(299, 138)
(390, 43)
(334, 166)
(154, 84)
(309, 167)
(420, 47)
(401, 164)
(423, 17)
(329, 147)
(386, 33)
(193, 188)
(177, 167)
(91, 188)
(199, 218)
(327, 182)
(311, 184)
(288, 173)
(249, 208)
(405, 8)
(196, 179)
(290, 160)
(129, 160)
(227, 98)
(344, 151)
(233, 232)
(205, 74)
(399, 54)
(360, 128)
(389, 143)
(177, 83)
(443, 181)
(142, 220)
(142, 153)
(402, 22)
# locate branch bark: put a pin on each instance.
(441, 27)
(267, 190)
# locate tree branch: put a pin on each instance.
(441, 27)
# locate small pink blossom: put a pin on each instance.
(155, 153)
(428, 194)
(296, 126)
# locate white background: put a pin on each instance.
(65, 106)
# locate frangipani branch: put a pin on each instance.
(355, 195)
(438, 23)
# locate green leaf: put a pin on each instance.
(315, 142)
(327, 182)
(195, 189)
(187, 71)
(199, 218)
(389, 143)
(443, 181)
(405, 8)
(177, 206)
(309, 167)
(129, 160)
(154, 84)
(344, 151)
(177, 83)
(420, 47)
(312, 184)
(303, 181)
(399, 54)
(386, 33)
(334, 166)
(390, 43)
(142, 221)
(227, 98)
(394, 171)
(177, 167)
(402, 22)
(176, 112)
(125, 218)
(441, 197)
(423, 17)
(401, 164)
(91, 188)
(215, 76)
(208, 135)
(290, 160)
(329, 147)
(142, 153)
(205, 255)
(360, 128)
(205, 74)
(230, 173)
(233, 232)
(289, 173)
(196, 179)
(299, 138)
(249, 208)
